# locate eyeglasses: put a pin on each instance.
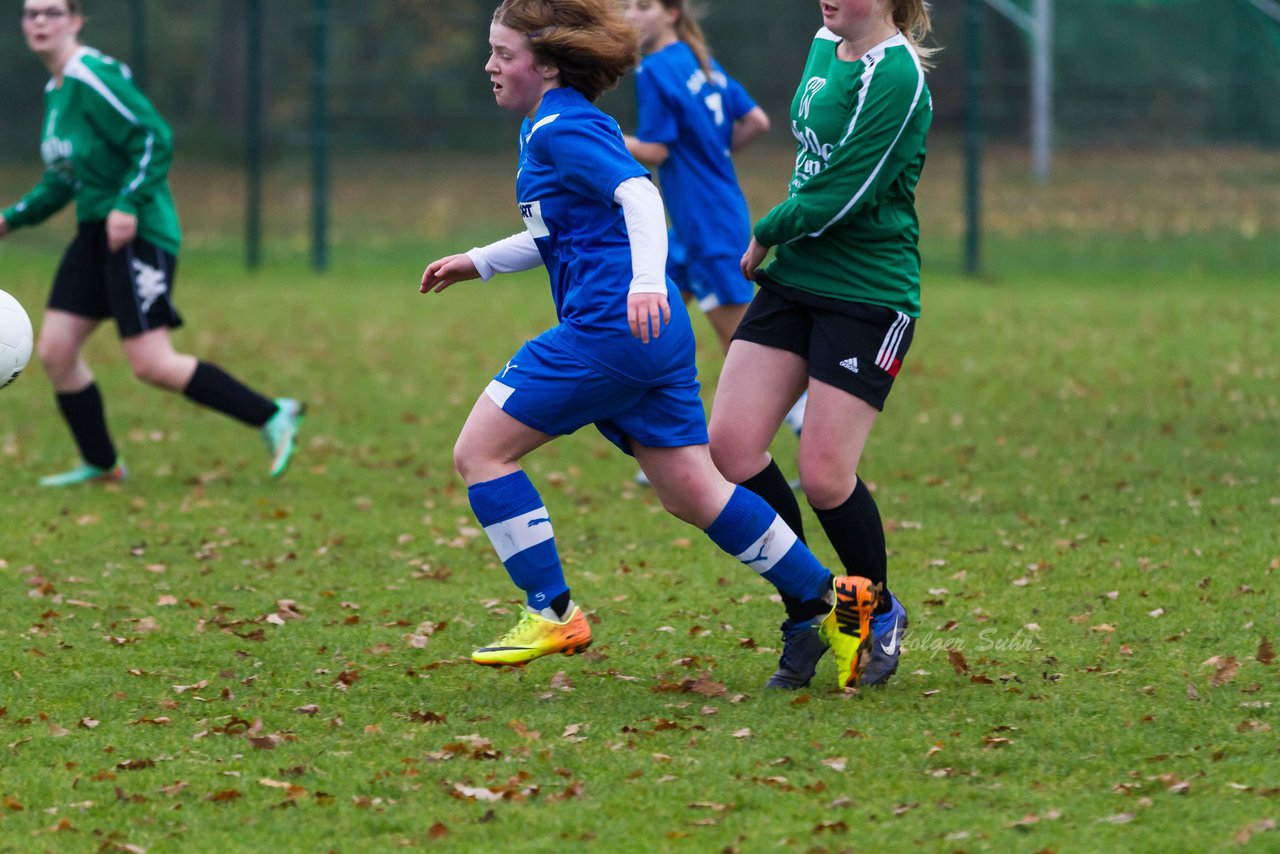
(33, 15)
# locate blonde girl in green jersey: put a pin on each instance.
(837, 306)
(106, 148)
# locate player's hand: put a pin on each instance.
(122, 228)
(4, 226)
(447, 271)
(647, 313)
(753, 258)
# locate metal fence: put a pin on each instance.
(407, 74)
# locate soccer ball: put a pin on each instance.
(15, 339)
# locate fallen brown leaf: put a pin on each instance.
(1266, 653)
(1262, 826)
(181, 689)
(1224, 670)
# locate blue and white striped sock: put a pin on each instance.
(519, 527)
(751, 531)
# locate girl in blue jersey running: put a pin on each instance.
(621, 356)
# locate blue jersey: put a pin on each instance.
(572, 159)
(693, 116)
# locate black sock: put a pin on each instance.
(802, 611)
(856, 532)
(560, 604)
(771, 485)
(215, 388)
(87, 419)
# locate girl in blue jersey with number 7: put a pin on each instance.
(691, 116)
(621, 356)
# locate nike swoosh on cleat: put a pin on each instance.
(891, 647)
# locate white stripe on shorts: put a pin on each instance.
(520, 532)
(772, 546)
(498, 392)
(892, 340)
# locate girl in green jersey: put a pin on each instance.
(836, 308)
(105, 147)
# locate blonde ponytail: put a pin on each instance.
(912, 18)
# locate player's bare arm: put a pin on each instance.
(648, 153)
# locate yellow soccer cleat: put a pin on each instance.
(847, 628)
(537, 634)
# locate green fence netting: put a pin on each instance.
(407, 74)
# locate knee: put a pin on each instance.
(733, 458)
(826, 481)
(826, 488)
(721, 455)
(152, 372)
(677, 503)
(824, 495)
(472, 462)
(164, 369)
(462, 460)
(696, 500)
(58, 357)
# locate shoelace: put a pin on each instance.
(789, 630)
(525, 619)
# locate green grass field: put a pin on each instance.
(1078, 473)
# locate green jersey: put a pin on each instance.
(105, 146)
(848, 229)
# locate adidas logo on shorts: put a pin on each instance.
(850, 364)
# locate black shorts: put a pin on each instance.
(134, 285)
(855, 346)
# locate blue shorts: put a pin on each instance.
(712, 281)
(552, 390)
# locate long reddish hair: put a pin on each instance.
(589, 41)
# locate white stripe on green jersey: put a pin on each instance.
(848, 229)
(105, 146)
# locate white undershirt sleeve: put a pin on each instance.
(647, 230)
(508, 255)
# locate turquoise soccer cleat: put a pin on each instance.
(86, 473)
(280, 433)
